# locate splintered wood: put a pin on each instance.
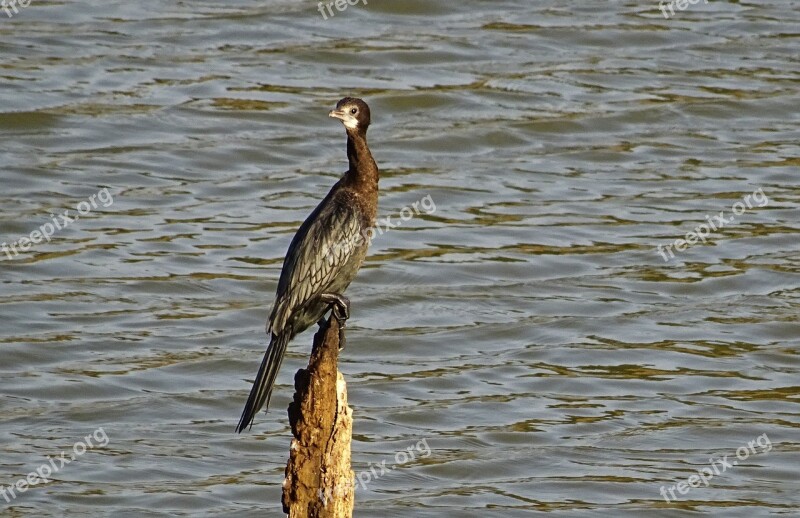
(319, 479)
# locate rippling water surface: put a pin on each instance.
(527, 330)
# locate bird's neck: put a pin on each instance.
(363, 172)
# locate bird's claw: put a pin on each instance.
(342, 339)
(340, 307)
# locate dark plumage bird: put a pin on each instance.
(324, 256)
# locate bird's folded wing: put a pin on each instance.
(324, 243)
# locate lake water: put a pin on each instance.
(526, 339)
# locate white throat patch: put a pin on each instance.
(350, 123)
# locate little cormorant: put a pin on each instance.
(324, 255)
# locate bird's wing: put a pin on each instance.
(328, 238)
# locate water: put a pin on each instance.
(526, 339)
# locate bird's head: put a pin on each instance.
(353, 112)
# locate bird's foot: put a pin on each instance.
(340, 305)
(342, 339)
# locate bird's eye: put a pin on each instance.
(354, 111)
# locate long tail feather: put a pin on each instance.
(265, 380)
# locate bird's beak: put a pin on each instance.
(338, 114)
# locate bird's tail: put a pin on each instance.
(265, 379)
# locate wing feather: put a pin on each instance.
(322, 245)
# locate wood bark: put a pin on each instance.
(319, 479)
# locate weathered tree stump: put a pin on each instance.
(319, 480)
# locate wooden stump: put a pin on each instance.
(319, 480)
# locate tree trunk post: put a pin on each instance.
(319, 479)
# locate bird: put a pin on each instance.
(324, 256)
